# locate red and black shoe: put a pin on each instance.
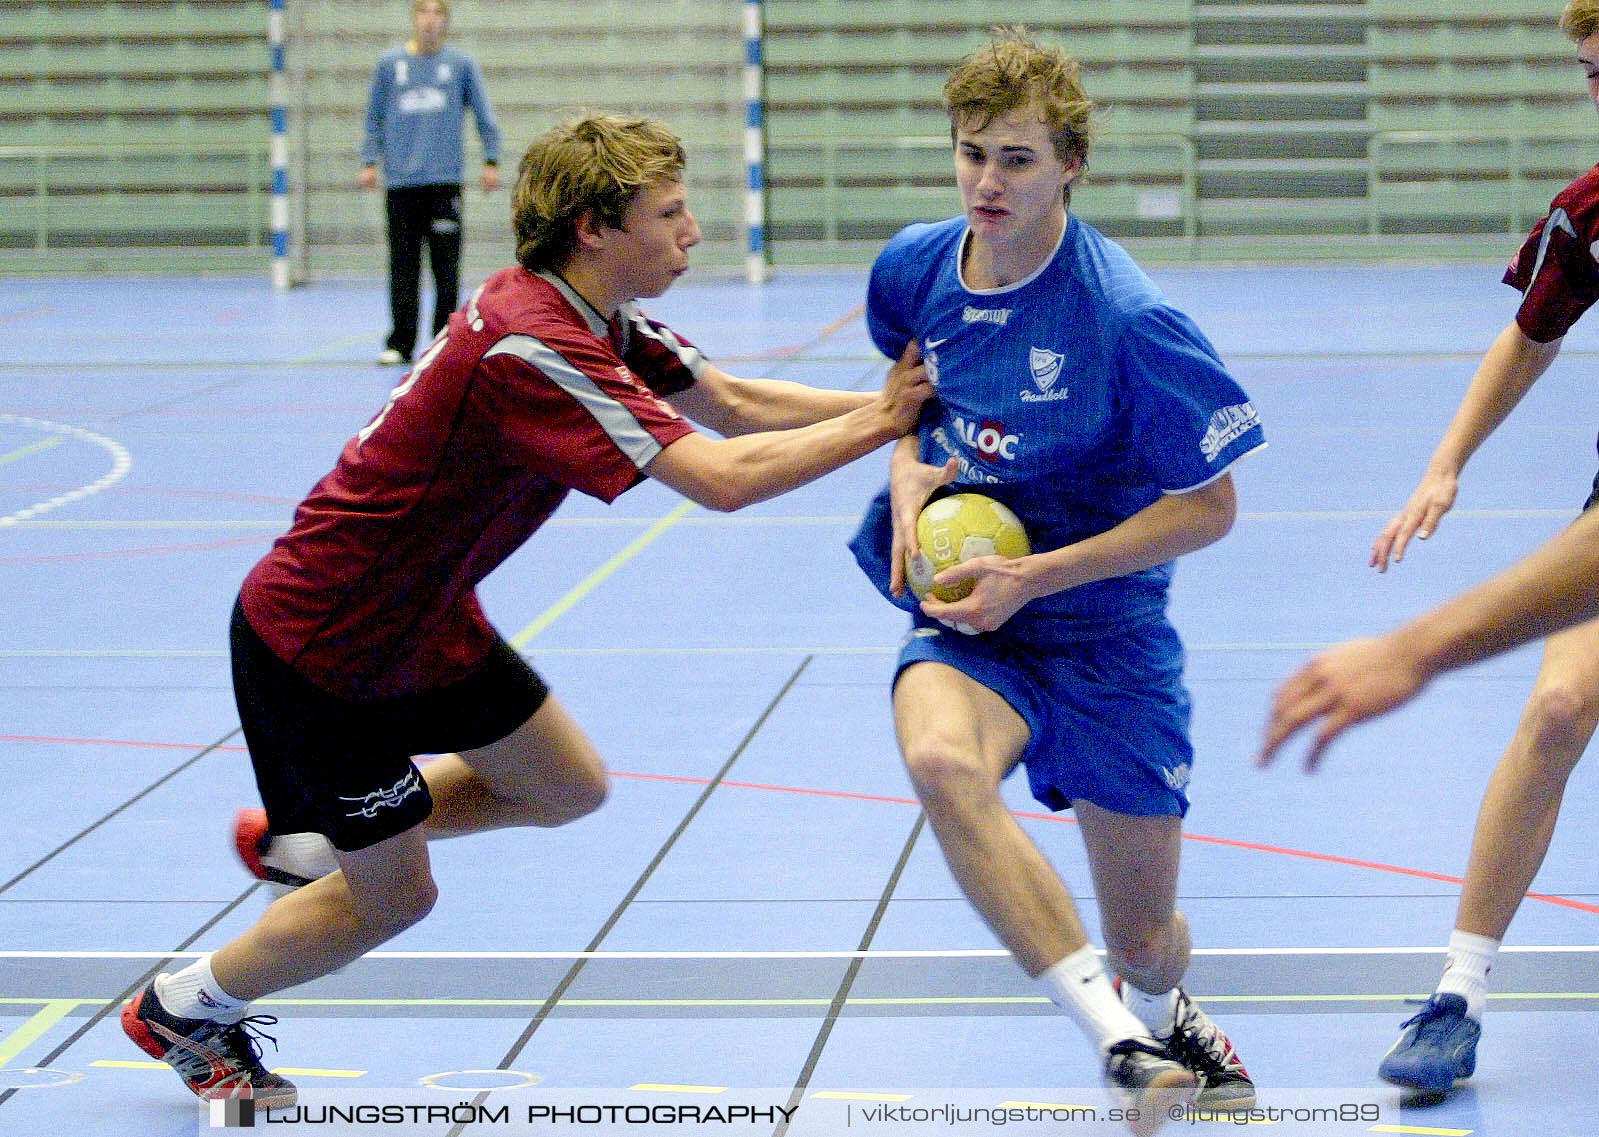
(215, 1060)
(287, 862)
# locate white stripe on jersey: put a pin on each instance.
(615, 419)
(1559, 221)
(634, 321)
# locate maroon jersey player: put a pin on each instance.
(358, 641)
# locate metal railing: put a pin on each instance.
(1162, 189)
(40, 186)
(1496, 173)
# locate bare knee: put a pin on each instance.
(946, 775)
(547, 801)
(579, 796)
(1560, 713)
(1153, 959)
(387, 915)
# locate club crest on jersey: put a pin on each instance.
(1046, 368)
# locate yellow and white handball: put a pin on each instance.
(957, 528)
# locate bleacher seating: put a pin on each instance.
(859, 146)
(130, 125)
(542, 60)
(131, 122)
(1477, 112)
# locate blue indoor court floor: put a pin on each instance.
(757, 933)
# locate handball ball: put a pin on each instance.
(958, 528)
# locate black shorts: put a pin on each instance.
(342, 767)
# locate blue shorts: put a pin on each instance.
(1108, 717)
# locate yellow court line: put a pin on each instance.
(297, 1071)
(845, 1095)
(121, 1064)
(599, 575)
(663, 1088)
(29, 1032)
(1421, 1130)
(317, 355)
(32, 448)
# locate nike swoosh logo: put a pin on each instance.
(931, 344)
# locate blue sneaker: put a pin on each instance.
(1438, 1046)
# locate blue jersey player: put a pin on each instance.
(1070, 390)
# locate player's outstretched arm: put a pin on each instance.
(1554, 587)
(730, 473)
(1346, 684)
(731, 405)
(1509, 369)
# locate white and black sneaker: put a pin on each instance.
(1151, 1085)
(1199, 1044)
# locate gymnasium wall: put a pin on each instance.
(135, 134)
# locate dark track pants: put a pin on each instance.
(418, 215)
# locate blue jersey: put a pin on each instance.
(1077, 396)
(415, 112)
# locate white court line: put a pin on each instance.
(956, 953)
(121, 463)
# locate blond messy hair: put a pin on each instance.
(1014, 70)
(595, 164)
(1580, 19)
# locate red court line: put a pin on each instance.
(1224, 842)
(149, 551)
(791, 350)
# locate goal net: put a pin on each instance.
(676, 60)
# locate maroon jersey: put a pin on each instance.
(1556, 270)
(528, 394)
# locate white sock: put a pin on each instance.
(1470, 959)
(1157, 1012)
(1079, 986)
(194, 993)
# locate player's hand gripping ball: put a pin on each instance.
(959, 528)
